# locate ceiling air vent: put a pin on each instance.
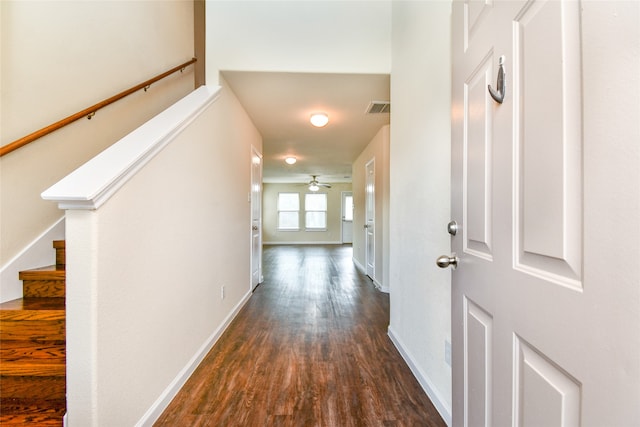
(378, 107)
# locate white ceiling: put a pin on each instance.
(280, 105)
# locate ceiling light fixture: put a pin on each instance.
(319, 119)
(290, 160)
(313, 187)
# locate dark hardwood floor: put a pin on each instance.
(310, 348)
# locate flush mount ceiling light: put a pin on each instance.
(319, 119)
(290, 160)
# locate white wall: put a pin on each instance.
(298, 36)
(333, 233)
(57, 58)
(377, 149)
(145, 270)
(420, 191)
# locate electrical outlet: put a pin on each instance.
(222, 291)
(447, 352)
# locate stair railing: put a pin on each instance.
(90, 111)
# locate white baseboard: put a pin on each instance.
(38, 253)
(158, 407)
(380, 287)
(443, 408)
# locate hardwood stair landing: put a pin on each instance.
(33, 350)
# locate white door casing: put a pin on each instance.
(546, 296)
(256, 217)
(370, 218)
(347, 217)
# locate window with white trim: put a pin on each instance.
(289, 211)
(315, 208)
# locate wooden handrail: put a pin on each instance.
(88, 112)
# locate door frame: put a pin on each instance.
(343, 194)
(369, 197)
(255, 197)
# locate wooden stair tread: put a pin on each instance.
(34, 387)
(42, 331)
(41, 353)
(47, 419)
(43, 288)
(33, 306)
(32, 369)
(33, 348)
(33, 319)
(10, 404)
(61, 253)
(50, 272)
(44, 282)
(38, 412)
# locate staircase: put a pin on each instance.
(32, 348)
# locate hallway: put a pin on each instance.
(310, 348)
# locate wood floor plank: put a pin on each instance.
(310, 348)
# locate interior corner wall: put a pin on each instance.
(377, 149)
(420, 191)
(333, 233)
(298, 36)
(60, 57)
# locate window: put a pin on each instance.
(315, 206)
(289, 211)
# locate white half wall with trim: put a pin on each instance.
(149, 246)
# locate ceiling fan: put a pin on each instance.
(314, 184)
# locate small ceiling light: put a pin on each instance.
(319, 119)
(313, 187)
(290, 160)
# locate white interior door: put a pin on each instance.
(545, 318)
(347, 217)
(370, 218)
(256, 218)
